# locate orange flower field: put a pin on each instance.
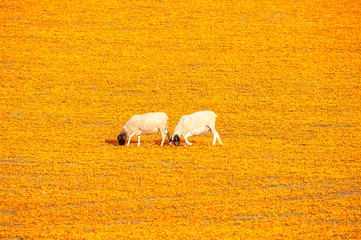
(282, 76)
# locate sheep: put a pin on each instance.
(145, 124)
(194, 125)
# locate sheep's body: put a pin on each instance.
(194, 125)
(145, 124)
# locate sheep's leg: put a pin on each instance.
(163, 138)
(138, 140)
(215, 136)
(130, 136)
(164, 133)
(168, 135)
(186, 140)
(219, 139)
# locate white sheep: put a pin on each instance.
(145, 124)
(194, 125)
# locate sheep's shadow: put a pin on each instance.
(114, 142)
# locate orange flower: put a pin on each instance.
(282, 77)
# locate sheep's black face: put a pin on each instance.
(176, 140)
(121, 138)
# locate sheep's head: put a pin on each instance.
(121, 138)
(176, 140)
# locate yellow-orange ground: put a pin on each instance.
(282, 76)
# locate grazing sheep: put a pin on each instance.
(194, 125)
(145, 124)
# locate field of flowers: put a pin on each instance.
(282, 76)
